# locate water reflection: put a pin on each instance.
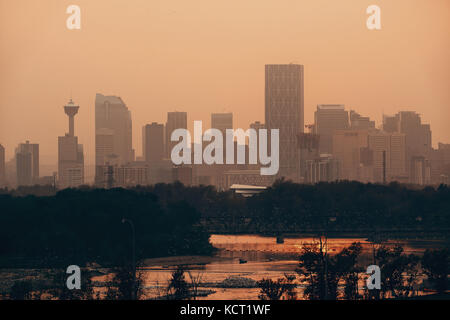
(264, 257)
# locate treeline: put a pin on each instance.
(76, 226)
(350, 206)
(171, 219)
(337, 206)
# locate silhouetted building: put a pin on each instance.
(182, 174)
(327, 119)
(358, 122)
(222, 122)
(308, 143)
(284, 110)
(322, 169)
(70, 153)
(366, 167)
(113, 130)
(417, 136)
(347, 145)
(175, 120)
(245, 177)
(390, 123)
(389, 156)
(440, 164)
(129, 175)
(27, 163)
(420, 171)
(153, 142)
(161, 172)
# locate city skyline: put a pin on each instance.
(188, 120)
(351, 120)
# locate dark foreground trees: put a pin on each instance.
(281, 289)
(436, 265)
(331, 277)
(322, 272)
(399, 272)
(79, 226)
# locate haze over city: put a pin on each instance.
(208, 57)
(325, 175)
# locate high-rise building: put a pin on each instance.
(222, 122)
(175, 120)
(183, 174)
(132, 174)
(2, 166)
(153, 142)
(347, 145)
(358, 122)
(420, 171)
(70, 153)
(440, 164)
(390, 123)
(389, 155)
(309, 150)
(417, 137)
(327, 119)
(284, 110)
(325, 168)
(113, 130)
(27, 163)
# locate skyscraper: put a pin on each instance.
(347, 145)
(2, 166)
(175, 120)
(417, 137)
(113, 130)
(153, 142)
(284, 110)
(70, 153)
(27, 163)
(358, 122)
(390, 123)
(222, 122)
(327, 119)
(388, 155)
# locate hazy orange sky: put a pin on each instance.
(205, 56)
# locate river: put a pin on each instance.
(253, 257)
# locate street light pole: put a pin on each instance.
(134, 254)
(329, 219)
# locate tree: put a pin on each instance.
(279, 289)
(435, 264)
(178, 288)
(322, 272)
(59, 288)
(399, 272)
(195, 282)
(125, 285)
(21, 290)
